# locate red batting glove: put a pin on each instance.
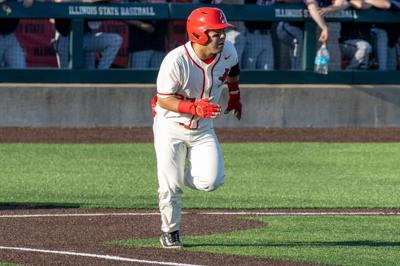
(205, 109)
(153, 106)
(234, 100)
(235, 105)
(202, 108)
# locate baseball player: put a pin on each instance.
(237, 34)
(189, 85)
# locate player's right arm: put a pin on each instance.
(201, 108)
(170, 103)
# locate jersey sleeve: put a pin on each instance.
(168, 77)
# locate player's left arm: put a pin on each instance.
(234, 101)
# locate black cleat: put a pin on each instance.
(170, 240)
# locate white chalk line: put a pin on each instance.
(289, 213)
(266, 213)
(118, 258)
(106, 257)
(79, 214)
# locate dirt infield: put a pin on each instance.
(79, 236)
(127, 135)
(73, 236)
(87, 234)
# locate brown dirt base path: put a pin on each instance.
(127, 135)
(85, 231)
(28, 228)
(88, 234)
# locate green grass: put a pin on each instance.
(265, 175)
(83, 175)
(257, 176)
(328, 240)
(313, 175)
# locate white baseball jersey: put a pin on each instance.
(182, 74)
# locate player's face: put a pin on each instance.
(216, 40)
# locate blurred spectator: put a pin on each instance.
(259, 51)
(236, 35)
(147, 40)
(395, 5)
(12, 55)
(398, 53)
(393, 39)
(94, 41)
(291, 33)
(177, 35)
(355, 44)
(385, 38)
(384, 35)
(364, 4)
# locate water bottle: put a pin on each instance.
(322, 60)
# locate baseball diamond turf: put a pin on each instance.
(268, 175)
(333, 240)
(258, 176)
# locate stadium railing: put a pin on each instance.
(77, 12)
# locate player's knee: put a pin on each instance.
(117, 40)
(211, 186)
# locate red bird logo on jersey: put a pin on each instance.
(223, 77)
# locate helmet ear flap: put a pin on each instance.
(199, 36)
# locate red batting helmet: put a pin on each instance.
(203, 19)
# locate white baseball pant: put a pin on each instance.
(176, 146)
(357, 51)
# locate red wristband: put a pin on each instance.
(233, 87)
(186, 107)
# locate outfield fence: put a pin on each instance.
(270, 106)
